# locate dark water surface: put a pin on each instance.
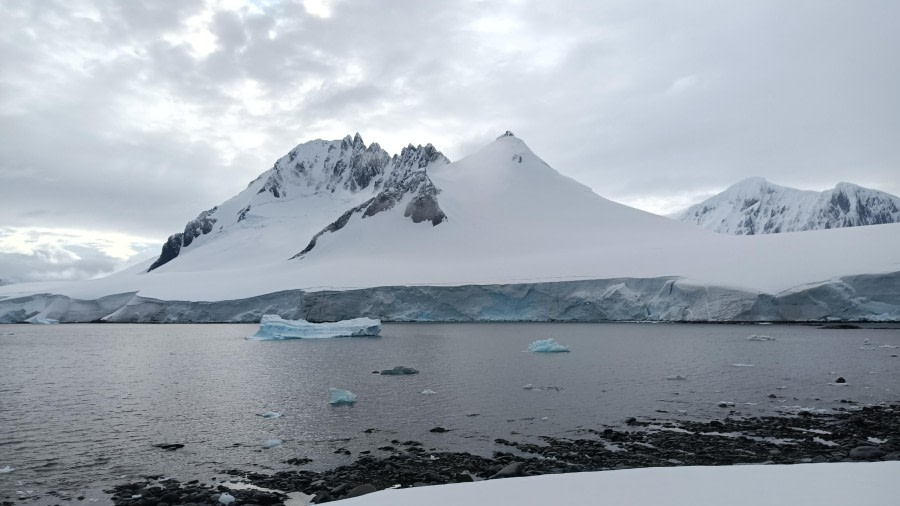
(81, 406)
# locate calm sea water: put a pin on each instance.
(81, 406)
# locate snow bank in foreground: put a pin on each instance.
(860, 484)
(275, 327)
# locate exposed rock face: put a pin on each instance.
(756, 206)
(321, 168)
(408, 179)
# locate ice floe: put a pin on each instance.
(7, 469)
(755, 337)
(271, 414)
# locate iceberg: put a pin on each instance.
(548, 345)
(272, 443)
(270, 414)
(428, 391)
(226, 498)
(341, 397)
(273, 327)
(755, 337)
(7, 469)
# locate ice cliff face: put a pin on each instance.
(756, 206)
(316, 179)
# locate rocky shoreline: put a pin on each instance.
(848, 435)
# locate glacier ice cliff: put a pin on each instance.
(873, 297)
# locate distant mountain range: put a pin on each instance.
(756, 206)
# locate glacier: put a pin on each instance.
(273, 327)
(851, 298)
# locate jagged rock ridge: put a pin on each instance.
(338, 171)
(756, 206)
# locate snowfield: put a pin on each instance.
(837, 484)
(514, 231)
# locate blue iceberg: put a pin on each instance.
(273, 327)
(341, 397)
(547, 346)
(272, 443)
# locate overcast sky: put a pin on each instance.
(120, 120)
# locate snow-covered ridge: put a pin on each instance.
(338, 172)
(756, 206)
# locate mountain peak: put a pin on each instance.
(508, 133)
(756, 206)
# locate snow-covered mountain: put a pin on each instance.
(340, 229)
(756, 206)
(312, 185)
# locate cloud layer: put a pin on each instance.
(134, 116)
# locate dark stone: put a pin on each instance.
(399, 371)
(298, 461)
(840, 380)
(169, 446)
(463, 478)
(365, 488)
(169, 251)
(439, 430)
(866, 452)
(509, 471)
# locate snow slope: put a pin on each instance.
(841, 484)
(499, 217)
(756, 206)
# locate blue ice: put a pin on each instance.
(548, 345)
(340, 397)
(274, 327)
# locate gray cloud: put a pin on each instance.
(134, 116)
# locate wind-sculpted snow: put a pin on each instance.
(756, 206)
(852, 298)
(273, 327)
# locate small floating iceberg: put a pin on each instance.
(676, 377)
(7, 469)
(428, 391)
(755, 337)
(340, 397)
(273, 327)
(272, 443)
(271, 414)
(548, 345)
(226, 498)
